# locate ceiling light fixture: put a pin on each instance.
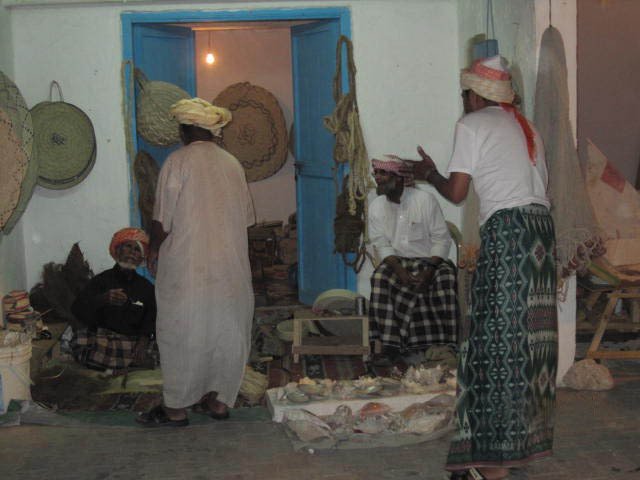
(210, 59)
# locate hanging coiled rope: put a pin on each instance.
(351, 233)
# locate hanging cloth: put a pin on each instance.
(578, 236)
(350, 149)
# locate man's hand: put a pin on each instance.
(152, 262)
(403, 275)
(115, 297)
(423, 280)
(424, 168)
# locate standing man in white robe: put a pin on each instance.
(203, 282)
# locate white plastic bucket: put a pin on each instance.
(15, 380)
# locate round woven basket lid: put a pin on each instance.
(15, 107)
(257, 135)
(26, 191)
(154, 123)
(146, 172)
(13, 165)
(64, 142)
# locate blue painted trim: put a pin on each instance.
(184, 16)
(127, 56)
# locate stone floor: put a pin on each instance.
(597, 438)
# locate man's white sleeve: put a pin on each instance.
(438, 230)
(377, 237)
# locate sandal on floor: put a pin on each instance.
(203, 408)
(157, 417)
(474, 474)
(471, 474)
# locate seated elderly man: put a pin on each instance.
(117, 307)
(413, 290)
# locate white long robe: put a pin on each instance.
(203, 284)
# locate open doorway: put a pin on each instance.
(259, 53)
(290, 53)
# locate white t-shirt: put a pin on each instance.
(491, 147)
(414, 228)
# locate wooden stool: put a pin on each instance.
(614, 294)
(329, 345)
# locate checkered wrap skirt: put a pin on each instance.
(103, 348)
(403, 319)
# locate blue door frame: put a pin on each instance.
(340, 14)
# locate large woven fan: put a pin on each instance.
(146, 172)
(154, 123)
(257, 135)
(15, 108)
(65, 143)
(16, 112)
(13, 165)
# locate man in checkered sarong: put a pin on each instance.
(117, 309)
(413, 290)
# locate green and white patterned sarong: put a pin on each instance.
(507, 366)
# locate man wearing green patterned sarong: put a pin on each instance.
(507, 366)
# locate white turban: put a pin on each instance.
(200, 113)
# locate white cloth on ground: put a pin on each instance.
(490, 146)
(414, 228)
(203, 284)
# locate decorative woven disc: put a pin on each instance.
(146, 171)
(13, 105)
(26, 191)
(257, 135)
(13, 165)
(65, 144)
(154, 123)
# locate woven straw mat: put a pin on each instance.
(64, 142)
(13, 105)
(257, 135)
(13, 165)
(153, 120)
(146, 171)
(26, 190)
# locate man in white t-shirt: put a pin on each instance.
(507, 367)
(413, 290)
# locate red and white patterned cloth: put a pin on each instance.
(126, 235)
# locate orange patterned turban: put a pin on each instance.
(126, 235)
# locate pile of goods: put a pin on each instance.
(374, 417)
(273, 255)
(253, 386)
(416, 381)
(18, 314)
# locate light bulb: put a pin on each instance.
(210, 58)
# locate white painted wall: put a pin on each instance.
(405, 51)
(263, 58)
(6, 45)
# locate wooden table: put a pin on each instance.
(337, 345)
(614, 294)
